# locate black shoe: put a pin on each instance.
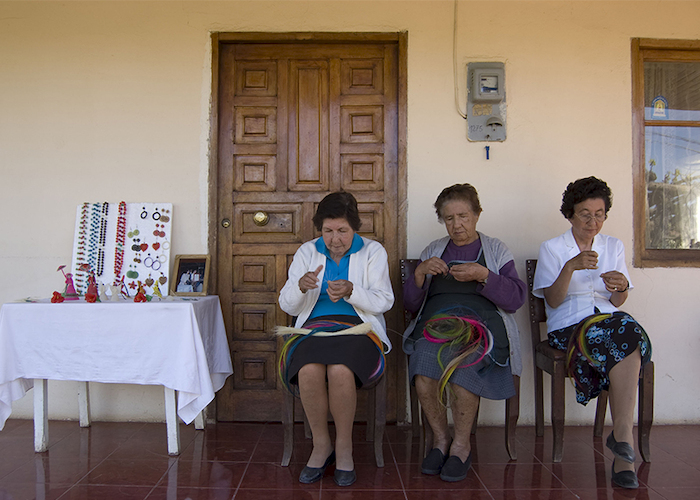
(620, 449)
(433, 462)
(454, 469)
(625, 478)
(312, 474)
(344, 477)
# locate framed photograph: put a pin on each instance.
(190, 276)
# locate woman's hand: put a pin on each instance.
(432, 266)
(339, 289)
(615, 281)
(556, 293)
(309, 280)
(469, 271)
(588, 259)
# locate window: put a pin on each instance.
(666, 141)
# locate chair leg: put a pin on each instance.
(558, 410)
(379, 421)
(646, 410)
(288, 426)
(539, 402)
(476, 417)
(371, 412)
(512, 414)
(601, 408)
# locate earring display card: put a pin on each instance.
(124, 244)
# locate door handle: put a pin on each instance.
(226, 223)
(260, 218)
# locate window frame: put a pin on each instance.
(654, 50)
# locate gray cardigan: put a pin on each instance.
(496, 254)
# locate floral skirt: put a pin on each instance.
(595, 345)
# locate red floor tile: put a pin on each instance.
(30, 491)
(413, 479)
(134, 472)
(242, 461)
(528, 476)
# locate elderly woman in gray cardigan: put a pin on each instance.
(463, 275)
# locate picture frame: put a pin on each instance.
(190, 275)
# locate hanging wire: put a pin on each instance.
(454, 62)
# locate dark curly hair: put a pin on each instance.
(461, 192)
(338, 205)
(582, 190)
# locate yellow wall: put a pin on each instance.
(109, 101)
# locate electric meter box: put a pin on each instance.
(486, 101)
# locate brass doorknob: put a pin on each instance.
(225, 223)
(260, 218)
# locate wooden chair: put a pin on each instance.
(376, 421)
(553, 361)
(408, 267)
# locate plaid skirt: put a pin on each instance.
(485, 379)
(595, 345)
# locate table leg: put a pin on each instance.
(199, 422)
(84, 403)
(41, 415)
(171, 422)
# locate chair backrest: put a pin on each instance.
(537, 311)
(408, 267)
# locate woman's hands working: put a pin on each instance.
(615, 282)
(337, 289)
(469, 271)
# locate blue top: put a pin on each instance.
(332, 272)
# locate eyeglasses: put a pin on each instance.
(586, 218)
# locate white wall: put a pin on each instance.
(109, 101)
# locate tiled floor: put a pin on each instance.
(130, 461)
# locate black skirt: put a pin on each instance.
(357, 352)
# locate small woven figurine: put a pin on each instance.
(69, 293)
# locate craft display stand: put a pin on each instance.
(124, 244)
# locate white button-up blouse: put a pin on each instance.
(586, 289)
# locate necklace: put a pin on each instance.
(102, 239)
(119, 244)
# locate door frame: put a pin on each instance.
(401, 39)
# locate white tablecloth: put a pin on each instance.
(180, 344)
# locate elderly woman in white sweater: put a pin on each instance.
(337, 283)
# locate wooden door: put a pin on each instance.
(296, 122)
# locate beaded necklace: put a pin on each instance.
(102, 239)
(81, 252)
(120, 239)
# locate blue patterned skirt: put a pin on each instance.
(595, 345)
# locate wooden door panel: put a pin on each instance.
(308, 126)
(255, 172)
(256, 78)
(255, 370)
(283, 226)
(362, 172)
(361, 124)
(254, 273)
(255, 125)
(296, 121)
(362, 76)
(254, 321)
(372, 217)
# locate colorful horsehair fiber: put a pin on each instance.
(462, 333)
(579, 346)
(323, 328)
